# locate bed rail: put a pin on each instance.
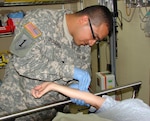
(135, 86)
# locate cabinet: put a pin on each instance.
(29, 4)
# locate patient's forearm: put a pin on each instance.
(89, 98)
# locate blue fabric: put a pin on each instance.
(125, 110)
(16, 15)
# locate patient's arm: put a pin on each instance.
(89, 98)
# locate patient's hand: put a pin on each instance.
(41, 89)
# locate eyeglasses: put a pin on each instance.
(94, 37)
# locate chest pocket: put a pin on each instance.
(62, 52)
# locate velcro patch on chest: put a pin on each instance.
(33, 30)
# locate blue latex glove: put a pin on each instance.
(76, 101)
(83, 77)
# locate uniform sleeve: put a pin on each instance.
(42, 64)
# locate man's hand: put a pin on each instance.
(83, 77)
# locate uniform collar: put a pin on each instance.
(66, 31)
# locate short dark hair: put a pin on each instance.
(98, 14)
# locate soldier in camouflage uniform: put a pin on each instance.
(48, 46)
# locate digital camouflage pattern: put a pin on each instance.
(51, 56)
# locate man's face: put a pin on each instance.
(89, 35)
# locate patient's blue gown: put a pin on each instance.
(126, 110)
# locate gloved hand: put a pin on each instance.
(83, 77)
(77, 101)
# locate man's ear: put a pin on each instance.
(83, 19)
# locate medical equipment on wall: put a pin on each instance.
(137, 3)
(108, 3)
(147, 24)
(141, 6)
(105, 80)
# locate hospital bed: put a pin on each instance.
(135, 87)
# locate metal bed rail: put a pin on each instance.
(135, 86)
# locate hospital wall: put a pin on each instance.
(133, 61)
